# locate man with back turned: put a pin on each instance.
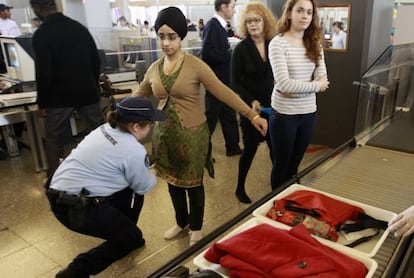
(67, 75)
(216, 53)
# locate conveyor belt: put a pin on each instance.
(374, 176)
(398, 135)
(377, 177)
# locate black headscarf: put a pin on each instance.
(174, 18)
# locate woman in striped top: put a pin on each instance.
(299, 70)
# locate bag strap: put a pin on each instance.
(364, 222)
(362, 240)
(290, 205)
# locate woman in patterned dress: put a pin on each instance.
(180, 144)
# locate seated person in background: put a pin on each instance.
(145, 29)
(98, 190)
(403, 223)
(338, 36)
(190, 26)
(35, 21)
(122, 24)
(200, 27)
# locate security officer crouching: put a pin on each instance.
(98, 190)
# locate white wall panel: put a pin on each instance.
(404, 25)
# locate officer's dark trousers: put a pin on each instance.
(113, 220)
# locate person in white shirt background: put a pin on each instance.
(338, 36)
(8, 27)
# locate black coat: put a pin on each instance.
(67, 64)
(251, 77)
(215, 49)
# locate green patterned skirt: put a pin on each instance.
(180, 154)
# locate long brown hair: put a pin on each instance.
(312, 37)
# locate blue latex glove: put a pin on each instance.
(266, 110)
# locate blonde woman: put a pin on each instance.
(252, 79)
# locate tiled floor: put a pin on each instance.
(34, 244)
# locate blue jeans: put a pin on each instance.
(290, 136)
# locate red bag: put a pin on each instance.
(323, 216)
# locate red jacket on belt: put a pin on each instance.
(266, 251)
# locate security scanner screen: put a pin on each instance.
(11, 55)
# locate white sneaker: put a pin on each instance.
(195, 237)
(174, 231)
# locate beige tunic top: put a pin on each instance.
(185, 93)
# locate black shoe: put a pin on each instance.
(243, 198)
(234, 152)
(69, 273)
